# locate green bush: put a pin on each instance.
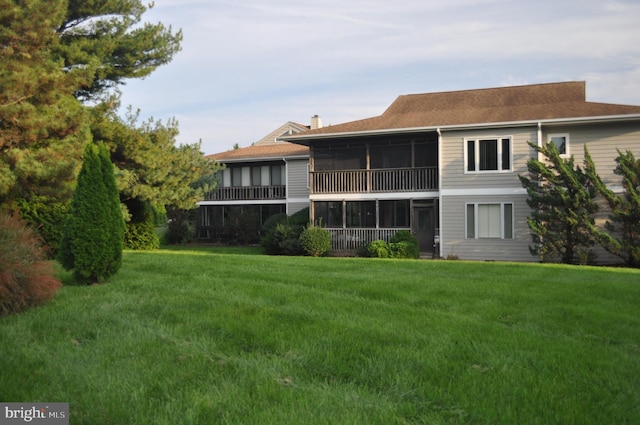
(46, 216)
(281, 233)
(379, 249)
(140, 233)
(181, 226)
(26, 278)
(315, 240)
(93, 237)
(408, 248)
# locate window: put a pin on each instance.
(276, 175)
(562, 143)
(485, 221)
(361, 214)
(394, 213)
(236, 176)
(256, 176)
(329, 214)
(488, 154)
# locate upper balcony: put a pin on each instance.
(247, 193)
(419, 179)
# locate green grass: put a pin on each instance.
(204, 336)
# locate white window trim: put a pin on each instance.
(567, 154)
(476, 143)
(475, 219)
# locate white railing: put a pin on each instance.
(246, 193)
(375, 181)
(352, 239)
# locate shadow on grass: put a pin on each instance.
(217, 249)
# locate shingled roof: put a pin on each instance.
(482, 106)
(271, 151)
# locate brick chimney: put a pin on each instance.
(316, 122)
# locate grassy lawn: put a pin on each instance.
(198, 336)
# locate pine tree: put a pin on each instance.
(622, 235)
(93, 238)
(108, 38)
(562, 199)
(42, 126)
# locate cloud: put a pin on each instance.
(247, 67)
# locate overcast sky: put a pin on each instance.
(247, 66)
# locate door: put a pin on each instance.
(424, 227)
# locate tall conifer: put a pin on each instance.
(562, 199)
(93, 238)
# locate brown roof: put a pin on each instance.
(266, 151)
(482, 106)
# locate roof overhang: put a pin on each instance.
(303, 139)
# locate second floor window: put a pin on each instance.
(487, 155)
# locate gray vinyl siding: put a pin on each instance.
(294, 207)
(298, 179)
(453, 155)
(452, 225)
(601, 140)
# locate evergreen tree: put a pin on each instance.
(93, 238)
(622, 237)
(42, 126)
(107, 38)
(562, 199)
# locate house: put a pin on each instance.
(266, 178)
(446, 165)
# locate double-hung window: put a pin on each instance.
(493, 221)
(491, 154)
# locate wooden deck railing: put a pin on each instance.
(246, 193)
(375, 181)
(352, 239)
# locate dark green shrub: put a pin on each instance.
(270, 223)
(140, 233)
(181, 226)
(93, 237)
(26, 278)
(46, 216)
(379, 249)
(284, 239)
(315, 241)
(410, 249)
(301, 217)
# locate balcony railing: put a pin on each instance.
(352, 239)
(246, 193)
(375, 181)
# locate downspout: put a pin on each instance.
(540, 143)
(438, 247)
(286, 185)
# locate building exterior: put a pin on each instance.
(446, 165)
(258, 181)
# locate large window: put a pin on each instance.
(328, 214)
(490, 154)
(394, 213)
(489, 221)
(361, 214)
(340, 158)
(562, 143)
(390, 156)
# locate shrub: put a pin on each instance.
(281, 233)
(379, 249)
(93, 237)
(26, 279)
(45, 216)
(408, 248)
(316, 241)
(181, 228)
(140, 233)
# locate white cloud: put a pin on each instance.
(248, 66)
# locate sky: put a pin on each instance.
(246, 66)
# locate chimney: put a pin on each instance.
(316, 122)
